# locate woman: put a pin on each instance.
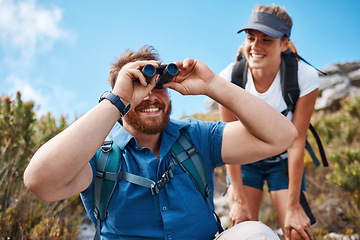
(267, 37)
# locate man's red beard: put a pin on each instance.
(148, 126)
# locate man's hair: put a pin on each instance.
(145, 53)
(277, 11)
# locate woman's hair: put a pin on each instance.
(277, 11)
(145, 53)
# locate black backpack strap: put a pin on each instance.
(289, 80)
(291, 92)
(239, 73)
(312, 154)
(303, 201)
(302, 59)
(320, 146)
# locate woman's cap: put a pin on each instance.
(267, 23)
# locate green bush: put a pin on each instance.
(340, 133)
(22, 215)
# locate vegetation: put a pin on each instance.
(334, 192)
(22, 216)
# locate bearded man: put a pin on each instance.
(145, 134)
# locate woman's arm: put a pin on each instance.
(295, 215)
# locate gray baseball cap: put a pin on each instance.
(267, 23)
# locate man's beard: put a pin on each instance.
(148, 126)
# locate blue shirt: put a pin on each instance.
(179, 211)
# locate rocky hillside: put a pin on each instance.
(342, 79)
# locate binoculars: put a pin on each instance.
(167, 73)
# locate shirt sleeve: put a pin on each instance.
(207, 138)
(308, 79)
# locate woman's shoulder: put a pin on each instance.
(308, 78)
(305, 70)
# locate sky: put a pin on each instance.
(57, 53)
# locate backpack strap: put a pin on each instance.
(302, 59)
(107, 172)
(185, 154)
(303, 201)
(289, 81)
(320, 146)
(311, 152)
(108, 166)
(239, 73)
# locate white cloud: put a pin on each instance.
(28, 93)
(28, 28)
(55, 99)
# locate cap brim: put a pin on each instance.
(265, 29)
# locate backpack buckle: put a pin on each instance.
(191, 151)
(106, 147)
(100, 174)
(165, 178)
(207, 191)
(155, 190)
(96, 213)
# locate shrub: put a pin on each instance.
(22, 215)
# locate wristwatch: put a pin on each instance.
(114, 99)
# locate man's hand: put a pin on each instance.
(129, 90)
(239, 213)
(239, 210)
(296, 219)
(193, 79)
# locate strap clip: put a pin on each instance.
(166, 177)
(207, 191)
(100, 174)
(106, 147)
(96, 213)
(191, 151)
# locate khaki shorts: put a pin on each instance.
(249, 230)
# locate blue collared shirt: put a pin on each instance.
(179, 211)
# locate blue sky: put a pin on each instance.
(57, 53)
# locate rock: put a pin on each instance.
(337, 236)
(87, 228)
(341, 81)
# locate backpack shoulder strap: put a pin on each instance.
(107, 162)
(239, 73)
(289, 80)
(291, 92)
(186, 155)
(320, 146)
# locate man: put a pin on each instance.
(61, 168)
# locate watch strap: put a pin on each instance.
(115, 99)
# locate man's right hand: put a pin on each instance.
(239, 211)
(129, 90)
